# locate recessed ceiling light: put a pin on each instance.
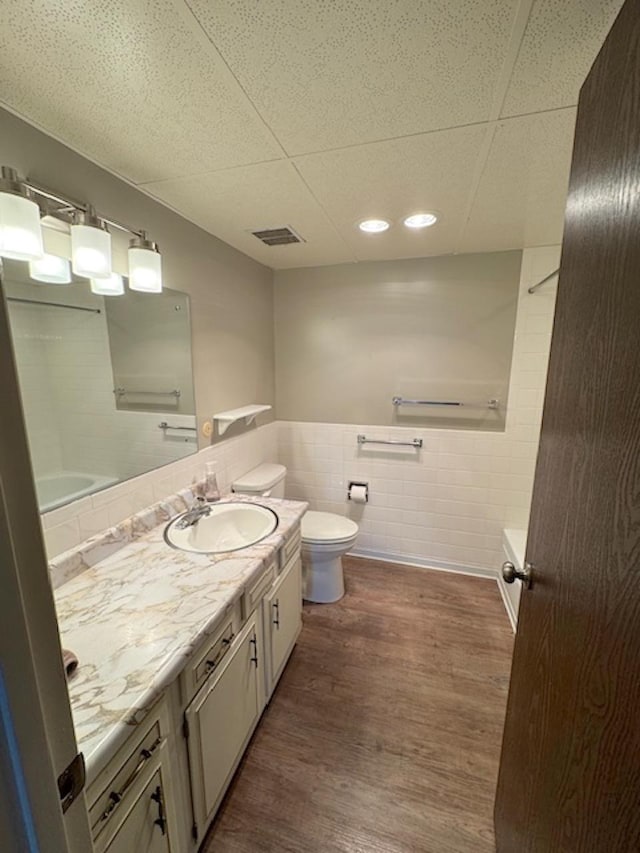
(373, 226)
(421, 220)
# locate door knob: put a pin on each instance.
(510, 573)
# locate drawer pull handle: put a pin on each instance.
(276, 616)
(115, 797)
(161, 820)
(254, 643)
(213, 663)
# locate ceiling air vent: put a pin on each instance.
(278, 236)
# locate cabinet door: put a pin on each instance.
(283, 618)
(143, 829)
(221, 719)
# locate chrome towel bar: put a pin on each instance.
(400, 401)
(415, 442)
(120, 392)
(165, 425)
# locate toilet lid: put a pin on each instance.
(327, 527)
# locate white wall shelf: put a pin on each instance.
(248, 413)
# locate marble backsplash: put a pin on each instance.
(84, 556)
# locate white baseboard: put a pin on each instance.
(508, 603)
(423, 563)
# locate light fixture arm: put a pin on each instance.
(11, 183)
(68, 206)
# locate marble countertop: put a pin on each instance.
(134, 619)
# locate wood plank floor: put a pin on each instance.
(384, 733)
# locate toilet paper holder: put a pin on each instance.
(360, 484)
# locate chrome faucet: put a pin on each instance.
(199, 510)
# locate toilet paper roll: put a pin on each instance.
(358, 494)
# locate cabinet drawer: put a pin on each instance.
(290, 547)
(114, 796)
(142, 825)
(210, 653)
(255, 592)
(214, 655)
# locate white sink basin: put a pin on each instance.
(229, 527)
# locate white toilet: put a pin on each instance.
(325, 535)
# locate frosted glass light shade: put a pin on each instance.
(145, 270)
(112, 286)
(20, 231)
(51, 269)
(90, 251)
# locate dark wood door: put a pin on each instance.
(570, 769)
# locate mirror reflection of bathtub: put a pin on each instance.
(99, 376)
(54, 490)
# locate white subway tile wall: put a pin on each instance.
(445, 504)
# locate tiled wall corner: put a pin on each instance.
(449, 502)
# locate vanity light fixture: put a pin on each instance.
(420, 220)
(90, 245)
(20, 232)
(112, 286)
(145, 265)
(373, 226)
(50, 269)
(21, 238)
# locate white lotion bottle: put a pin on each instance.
(212, 492)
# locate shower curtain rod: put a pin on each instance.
(547, 278)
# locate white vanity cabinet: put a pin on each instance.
(221, 719)
(155, 795)
(131, 804)
(282, 618)
(234, 674)
(144, 826)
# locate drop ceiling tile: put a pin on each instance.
(560, 43)
(522, 193)
(133, 85)
(393, 179)
(233, 202)
(326, 74)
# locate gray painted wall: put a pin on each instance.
(231, 294)
(350, 337)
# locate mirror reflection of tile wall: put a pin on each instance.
(83, 434)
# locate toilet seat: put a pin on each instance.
(326, 528)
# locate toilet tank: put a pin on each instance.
(267, 480)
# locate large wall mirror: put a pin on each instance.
(106, 382)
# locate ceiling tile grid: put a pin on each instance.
(560, 43)
(326, 74)
(131, 84)
(244, 114)
(234, 202)
(521, 196)
(392, 180)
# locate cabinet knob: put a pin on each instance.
(276, 615)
